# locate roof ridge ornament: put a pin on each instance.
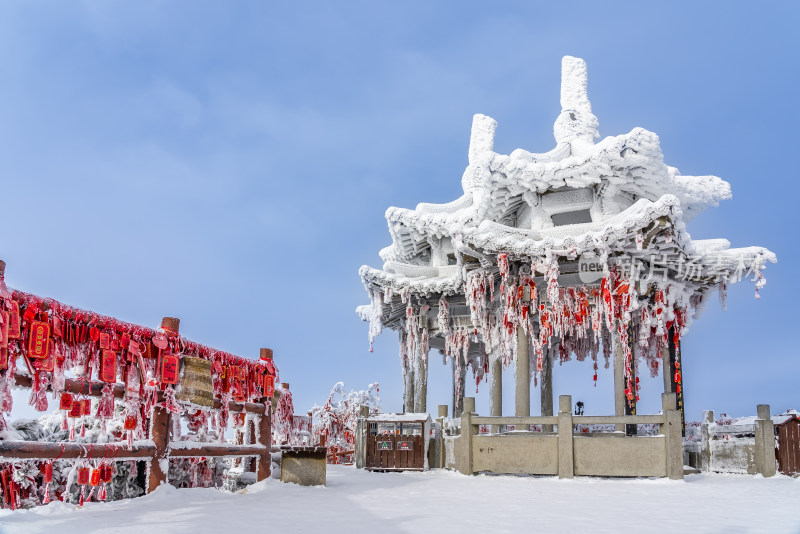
(576, 120)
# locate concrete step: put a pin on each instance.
(689, 470)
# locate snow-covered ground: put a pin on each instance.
(440, 501)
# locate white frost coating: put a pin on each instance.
(481, 139)
(576, 120)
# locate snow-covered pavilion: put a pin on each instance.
(581, 251)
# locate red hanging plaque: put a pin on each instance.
(76, 410)
(13, 321)
(169, 369)
(39, 344)
(48, 363)
(66, 401)
(108, 366)
(95, 479)
(105, 341)
(124, 340)
(87, 406)
(269, 385)
(106, 473)
(130, 422)
(83, 475)
(3, 358)
(237, 390)
(48, 472)
(4, 330)
(58, 327)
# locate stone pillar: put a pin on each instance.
(441, 453)
(464, 455)
(546, 393)
(495, 389)
(665, 370)
(705, 441)
(672, 433)
(522, 395)
(566, 464)
(765, 442)
(619, 381)
(362, 427)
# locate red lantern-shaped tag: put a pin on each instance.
(87, 406)
(130, 422)
(105, 341)
(169, 369)
(108, 366)
(39, 344)
(160, 341)
(48, 472)
(269, 385)
(95, 478)
(29, 314)
(66, 401)
(14, 331)
(94, 334)
(76, 410)
(83, 475)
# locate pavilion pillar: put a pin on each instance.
(676, 374)
(409, 387)
(459, 383)
(522, 395)
(619, 381)
(546, 393)
(421, 383)
(495, 387)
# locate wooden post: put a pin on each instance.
(264, 468)
(160, 428)
(159, 433)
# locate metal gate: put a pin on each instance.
(390, 452)
(788, 451)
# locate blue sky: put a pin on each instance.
(230, 163)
